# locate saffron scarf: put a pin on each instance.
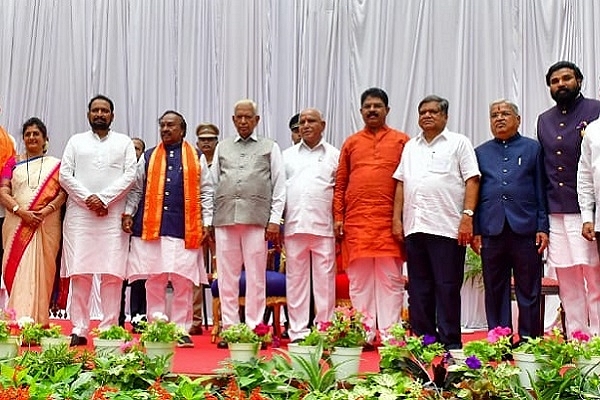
(7, 147)
(155, 188)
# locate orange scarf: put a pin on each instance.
(155, 188)
(7, 147)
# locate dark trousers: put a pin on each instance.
(502, 255)
(435, 276)
(137, 301)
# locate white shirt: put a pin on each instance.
(104, 167)
(588, 174)
(434, 176)
(310, 178)
(277, 178)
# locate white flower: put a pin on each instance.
(23, 321)
(138, 318)
(158, 316)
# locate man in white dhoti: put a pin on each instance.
(97, 170)
(249, 200)
(172, 204)
(310, 168)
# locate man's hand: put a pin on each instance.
(272, 233)
(96, 205)
(541, 241)
(338, 229)
(126, 223)
(465, 230)
(587, 231)
(398, 230)
(476, 244)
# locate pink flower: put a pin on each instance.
(11, 313)
(581, 336)
(262, 329)
(498, 332)
(324, 325)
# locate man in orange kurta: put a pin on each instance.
(363, 205)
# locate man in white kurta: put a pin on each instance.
(168, 230)
(97, 170)
(310, 168)
(249, 201)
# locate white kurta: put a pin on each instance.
(104, 167)
(168, 254)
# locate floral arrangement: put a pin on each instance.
(551, 347)
(314, 338)
(32, 332)
(346, 328)
(241, 333)
(402, 351)
(8, 326)
(115, 332)
(159, 330)
(584, 345)
(496, 347)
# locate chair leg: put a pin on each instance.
(277, 320)
(216, 330)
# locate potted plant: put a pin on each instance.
(551, 350)
(412, 355)
(9, 335)
(309, 346)
(110, 341)
(345, 335)
(159, 336)
(587, 352)
(496, 347)
(244, 342)
(46, 336)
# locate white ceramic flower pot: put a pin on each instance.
(48, 342)
(161, 349)
(243, 351)
(529, 366)
(346, 361)
(108, 346)
(591, 366)
(10, 348)
(304, 352)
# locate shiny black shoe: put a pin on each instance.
(285, 335)
(78, 340)
(185, 341)
(222, 345)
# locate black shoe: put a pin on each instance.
(368, 347)
(195, 331)
(284, 335)
(78, 340)
(222, 345)
(185, 341)
(298, 340)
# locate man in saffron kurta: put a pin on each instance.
(363, 205)
(172, 203)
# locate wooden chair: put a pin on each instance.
(275, 296)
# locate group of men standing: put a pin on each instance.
(386, 198)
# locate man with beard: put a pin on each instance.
(363, 203)
(560, 131)
(97, 170)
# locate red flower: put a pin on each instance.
(262, 329)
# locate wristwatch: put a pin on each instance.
(15, 208)
(469, 213)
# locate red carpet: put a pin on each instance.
(204, 357)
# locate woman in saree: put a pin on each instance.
(30, 191)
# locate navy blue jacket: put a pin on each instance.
(511, 188)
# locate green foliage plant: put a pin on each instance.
(160, 330)
(115, 332)
(239, 333)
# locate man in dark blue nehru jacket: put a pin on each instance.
(511, 221)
